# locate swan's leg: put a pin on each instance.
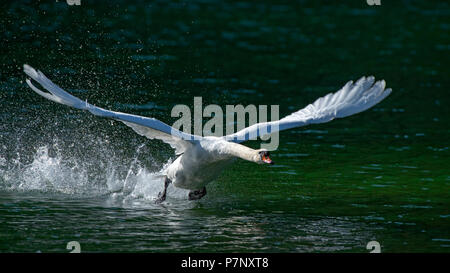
(162, 195)
(195, 195)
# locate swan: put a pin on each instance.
(201, 159)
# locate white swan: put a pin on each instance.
(201, 159)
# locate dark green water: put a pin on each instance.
(380, 175)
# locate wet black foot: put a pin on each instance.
(198, 194)
(162, 195)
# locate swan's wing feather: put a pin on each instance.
(149, 127)
(351, 99)
(178, 144)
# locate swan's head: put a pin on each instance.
(264, 157)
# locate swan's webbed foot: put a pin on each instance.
(162, 195)
(198, 194)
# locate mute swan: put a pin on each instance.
(201, 159)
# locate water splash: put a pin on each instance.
(56, 174)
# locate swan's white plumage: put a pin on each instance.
(349, 100)
(203, 158)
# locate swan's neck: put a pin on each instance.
(241, 151)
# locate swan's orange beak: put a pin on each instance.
(266, 159)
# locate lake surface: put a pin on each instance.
(382, 175)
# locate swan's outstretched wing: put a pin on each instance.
(351, 99)
(149, 127)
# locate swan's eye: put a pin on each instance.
(265, 157)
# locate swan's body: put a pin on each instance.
(202, 159)
(199, 165)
